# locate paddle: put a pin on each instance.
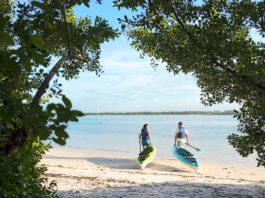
(197, 149)
(139, 142)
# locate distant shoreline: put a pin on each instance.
(229, 112)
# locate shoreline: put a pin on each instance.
(227, 112)
(242, 162)
(97, 173)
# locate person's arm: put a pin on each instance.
(187, 138)
(140, 134)
(148, 137)
(176, 137)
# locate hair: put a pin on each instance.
(180, 123)
(145, 125)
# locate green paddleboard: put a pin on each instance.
(146, 156)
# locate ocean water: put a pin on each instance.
(120, 133)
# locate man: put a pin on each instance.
(181, 136)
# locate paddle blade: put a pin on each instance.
(199, 150)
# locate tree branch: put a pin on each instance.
(80, 58)
(68, 30)
(252, 82)
(17, 139)
(20, 136)
(45, 83)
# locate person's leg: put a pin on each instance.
(178, 142)
(144, 143)
(182, 144)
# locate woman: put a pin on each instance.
(145, 136)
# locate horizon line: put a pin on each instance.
(225, 112)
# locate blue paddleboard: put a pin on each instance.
(185, 157)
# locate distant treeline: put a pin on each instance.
(166, 113)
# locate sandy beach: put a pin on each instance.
(92, 173)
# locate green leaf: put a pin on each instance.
(77, 113)
(73, 118)
(39, 4)
(59, 141)
(37, 41)
(43, 133)
(7, 113)
(61, 133)
(5, 39)
(67, 102)
(51, 107)
(86, 3)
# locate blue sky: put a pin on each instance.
(129, 83)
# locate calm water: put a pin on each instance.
(120, 133)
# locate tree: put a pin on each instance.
(213, 41)
(32, 36)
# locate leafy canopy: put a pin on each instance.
(213, 41)
(32, 36)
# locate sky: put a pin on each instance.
(129, 83)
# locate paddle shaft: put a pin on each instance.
(194, 147)
(139, 143)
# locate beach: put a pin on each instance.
(99, 173)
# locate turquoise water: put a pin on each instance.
(120, 133)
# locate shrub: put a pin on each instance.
(22, 175)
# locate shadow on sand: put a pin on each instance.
(172, 190)
(120, 163)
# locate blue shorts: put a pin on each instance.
(145, 142)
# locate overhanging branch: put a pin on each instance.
(252, 82)
(68, 30)
(80, 58)
(20, 136)
(46, 82)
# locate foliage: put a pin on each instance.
(214, 41)
(23, 176)
(34, 35)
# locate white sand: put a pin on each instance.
(81, 173)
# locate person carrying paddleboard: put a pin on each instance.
(144, 136)
(181, 136)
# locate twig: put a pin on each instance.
(68, 30)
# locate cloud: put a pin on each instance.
(131, 84)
